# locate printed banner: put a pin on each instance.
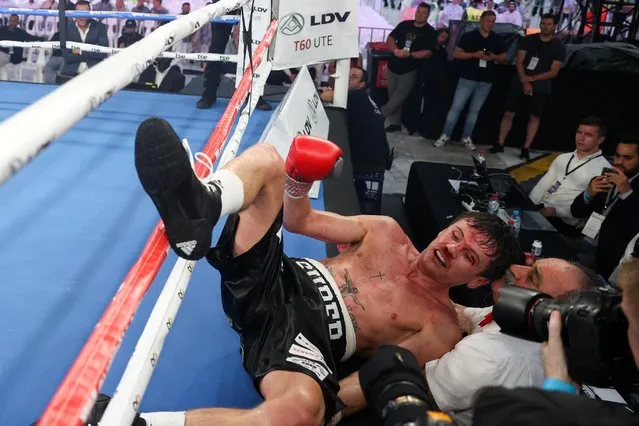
(312, 31)
(300, 112)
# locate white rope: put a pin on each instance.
(84, 47)
(135, 379)
(35, 127)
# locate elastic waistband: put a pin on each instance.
(348, 334)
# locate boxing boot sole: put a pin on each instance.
(188, 208)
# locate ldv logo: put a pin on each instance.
(329, 18)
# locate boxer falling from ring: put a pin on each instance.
(297, 317)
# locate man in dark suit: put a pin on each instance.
(84, 30)
(615, 196)
(163, 77)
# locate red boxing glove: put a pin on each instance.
(310, 159)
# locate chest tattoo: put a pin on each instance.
(379, 275)
(349, 290)
(353, 319)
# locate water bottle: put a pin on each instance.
(516, 221)
(408, 44)
(537, 248)
(493, 204)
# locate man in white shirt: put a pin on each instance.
(570, 174)
(451, 12)
(511, 16)
(489, 358)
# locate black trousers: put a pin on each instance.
(220, 34)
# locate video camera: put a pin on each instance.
(594, 330)
(395, 388)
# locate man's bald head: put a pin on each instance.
(553, 277)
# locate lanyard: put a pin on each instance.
(568, 173)
(611, 200)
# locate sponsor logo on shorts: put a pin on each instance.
(300, 339)
(331, 303)
(312, 366)
(303, 352)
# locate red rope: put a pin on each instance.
(77, 393)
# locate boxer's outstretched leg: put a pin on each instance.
(189, 208)
(290, 399)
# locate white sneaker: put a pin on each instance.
(443, 140)
(468, 143)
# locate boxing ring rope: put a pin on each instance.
(97, 85)
(204, 57)
(78, 391)
(225, 19)
(129, 393)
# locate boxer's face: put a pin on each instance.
(553, 277)
(457, 256)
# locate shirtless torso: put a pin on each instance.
(386, 301)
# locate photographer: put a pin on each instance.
(488, 357)
(558, 402)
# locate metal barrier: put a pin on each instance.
(373, 34)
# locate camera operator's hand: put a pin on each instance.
(552, 351)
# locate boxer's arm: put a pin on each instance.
(329, 227)
(430, 343)
(311, 159)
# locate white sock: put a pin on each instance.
(167, 418)
(232, 190)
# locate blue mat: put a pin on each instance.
(72, 224)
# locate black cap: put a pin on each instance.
(130, 23)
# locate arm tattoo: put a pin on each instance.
(349, 289)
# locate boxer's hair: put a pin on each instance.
(499, 240)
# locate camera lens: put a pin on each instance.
(515, 312)
(394, 387)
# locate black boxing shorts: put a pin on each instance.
(288, 312)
